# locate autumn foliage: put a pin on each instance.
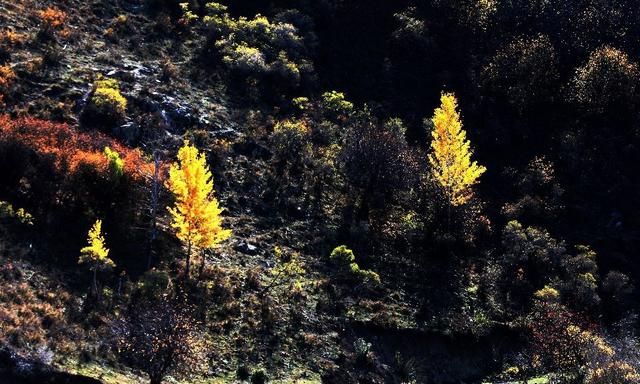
(95, 253)
(52, 18)
(7, 78)
(70, 148)
(451, 153)
(196, 215)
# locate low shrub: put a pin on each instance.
(7, 211)
(334, 102)
(151, 285)
(548, 294)
(345, 258)
(243, 373)
(342, 255)
(274, 50)
(259, 377)
(7, 78)
(107, 107)
(290, 138)
(116, 164)
(32, 316)
(8, 41)
(52, 21)
(617, 372)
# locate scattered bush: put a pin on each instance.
(8, 212)
(540, 194)
(116, 164)
(554, 344)
(476, 15)
(9, 40)
(152, 284)
(342, 255)
(547, 294)
(52, 20)
(523, 72)
(290, 139)
(579, 285)
(531, 259)
(607, 82)
(245, 59)
(377, 165)
(243, 373)
(616, 372)
(259, 47)
(7, 78)
(259, 377)
(33, 314)
(362, 349)
(9, 37)
(287, 271)
(335, 103)
(159, 338)
(617, 291)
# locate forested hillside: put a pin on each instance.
(329, 191)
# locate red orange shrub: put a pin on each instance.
(52, 18)
(69, 147)
(9, 37)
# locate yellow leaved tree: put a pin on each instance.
(196, 213)
(96, 253)
(450, 156)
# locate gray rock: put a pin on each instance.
(246, 248)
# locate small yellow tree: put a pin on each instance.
(196, 214)
(450, 156)
(96, 254)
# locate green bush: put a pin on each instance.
(259, 47)
(290, 140)
(107, 107)
(259, 377)
(153, 284)
(8, 212)
(345, 258)
(242, 373)
(607, 81)
(336, 103)
(369, 276)
(116, 164)
(342, 255)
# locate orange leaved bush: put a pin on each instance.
(52, 18)
(69, 147)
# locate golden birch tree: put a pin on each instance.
(450, 156)
(196, 213)
(96, 253)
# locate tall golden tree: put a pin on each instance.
(450, 156)
(96, 253)
(196, 214)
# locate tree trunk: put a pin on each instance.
(186, 273)
(202, 261)
(95, 282)
(155, 192)
(449, 218)
(155, 379)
